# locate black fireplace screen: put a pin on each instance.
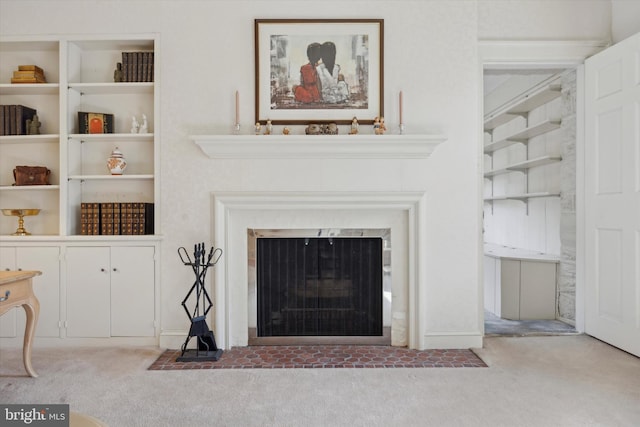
(319, 286)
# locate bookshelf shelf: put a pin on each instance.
(29, 89)
(22, 188)
(111, 177)
(112, 137)
(113, 88)
(30, 139)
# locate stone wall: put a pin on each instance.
(566, 310)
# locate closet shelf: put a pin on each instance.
(522, 105)
(523, 166)
(523, 136)
(521, 197)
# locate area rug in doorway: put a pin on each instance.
(325, 356)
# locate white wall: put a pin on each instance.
(625, 17)
(206, 53)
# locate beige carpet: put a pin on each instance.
(533, 381)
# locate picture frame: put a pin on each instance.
(319, 70)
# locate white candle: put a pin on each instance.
(237, 108)
(401, 121)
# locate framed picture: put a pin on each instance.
(319, 70)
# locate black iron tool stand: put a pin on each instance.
(206, 348)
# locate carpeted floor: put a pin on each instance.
(325, 356)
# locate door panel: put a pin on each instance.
(88, 292)
(612, 195)
(132, 291)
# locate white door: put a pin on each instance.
(612, 195)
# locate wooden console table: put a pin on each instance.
(16, 288)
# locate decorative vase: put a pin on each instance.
(116, 163)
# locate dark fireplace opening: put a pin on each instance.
(319, 286)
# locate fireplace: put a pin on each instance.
(320, 285)
(397, 218)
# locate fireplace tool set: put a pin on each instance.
(206, 349)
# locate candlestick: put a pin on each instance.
(401, 125)
(237, 108)
(400, 101)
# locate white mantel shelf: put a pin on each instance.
(318, 146)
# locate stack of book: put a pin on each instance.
(28, 74)
(115, 218)
(13, 119)
(137, 66)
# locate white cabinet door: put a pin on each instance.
(46, 288)
(612, 195)
(110, 291)
(8, 321)
(132, 291)
(88, 292)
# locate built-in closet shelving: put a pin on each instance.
(521, 107)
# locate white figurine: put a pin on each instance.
(135, 126)
(144, 128)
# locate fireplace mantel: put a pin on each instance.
(318, 146)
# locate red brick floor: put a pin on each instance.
(325, 356)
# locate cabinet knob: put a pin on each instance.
(102, 270)
(115, 269)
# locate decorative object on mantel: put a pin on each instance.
(268, 128)
(257, 128)
(354, 126)
(313, 129)
(378, 126)
(324, 129)
(236, 124)
(401, 125)
(116, 162)
(286, 131)
(351, 85)
(20, 213)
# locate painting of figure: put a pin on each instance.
(327, 70)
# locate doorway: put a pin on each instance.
(529, 190)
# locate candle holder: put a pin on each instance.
(20, 213)
(401, 128)
(236, 129)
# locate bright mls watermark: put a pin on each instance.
(34, 415)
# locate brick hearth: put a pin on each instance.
(325, 356)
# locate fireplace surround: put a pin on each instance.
(402, 213)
